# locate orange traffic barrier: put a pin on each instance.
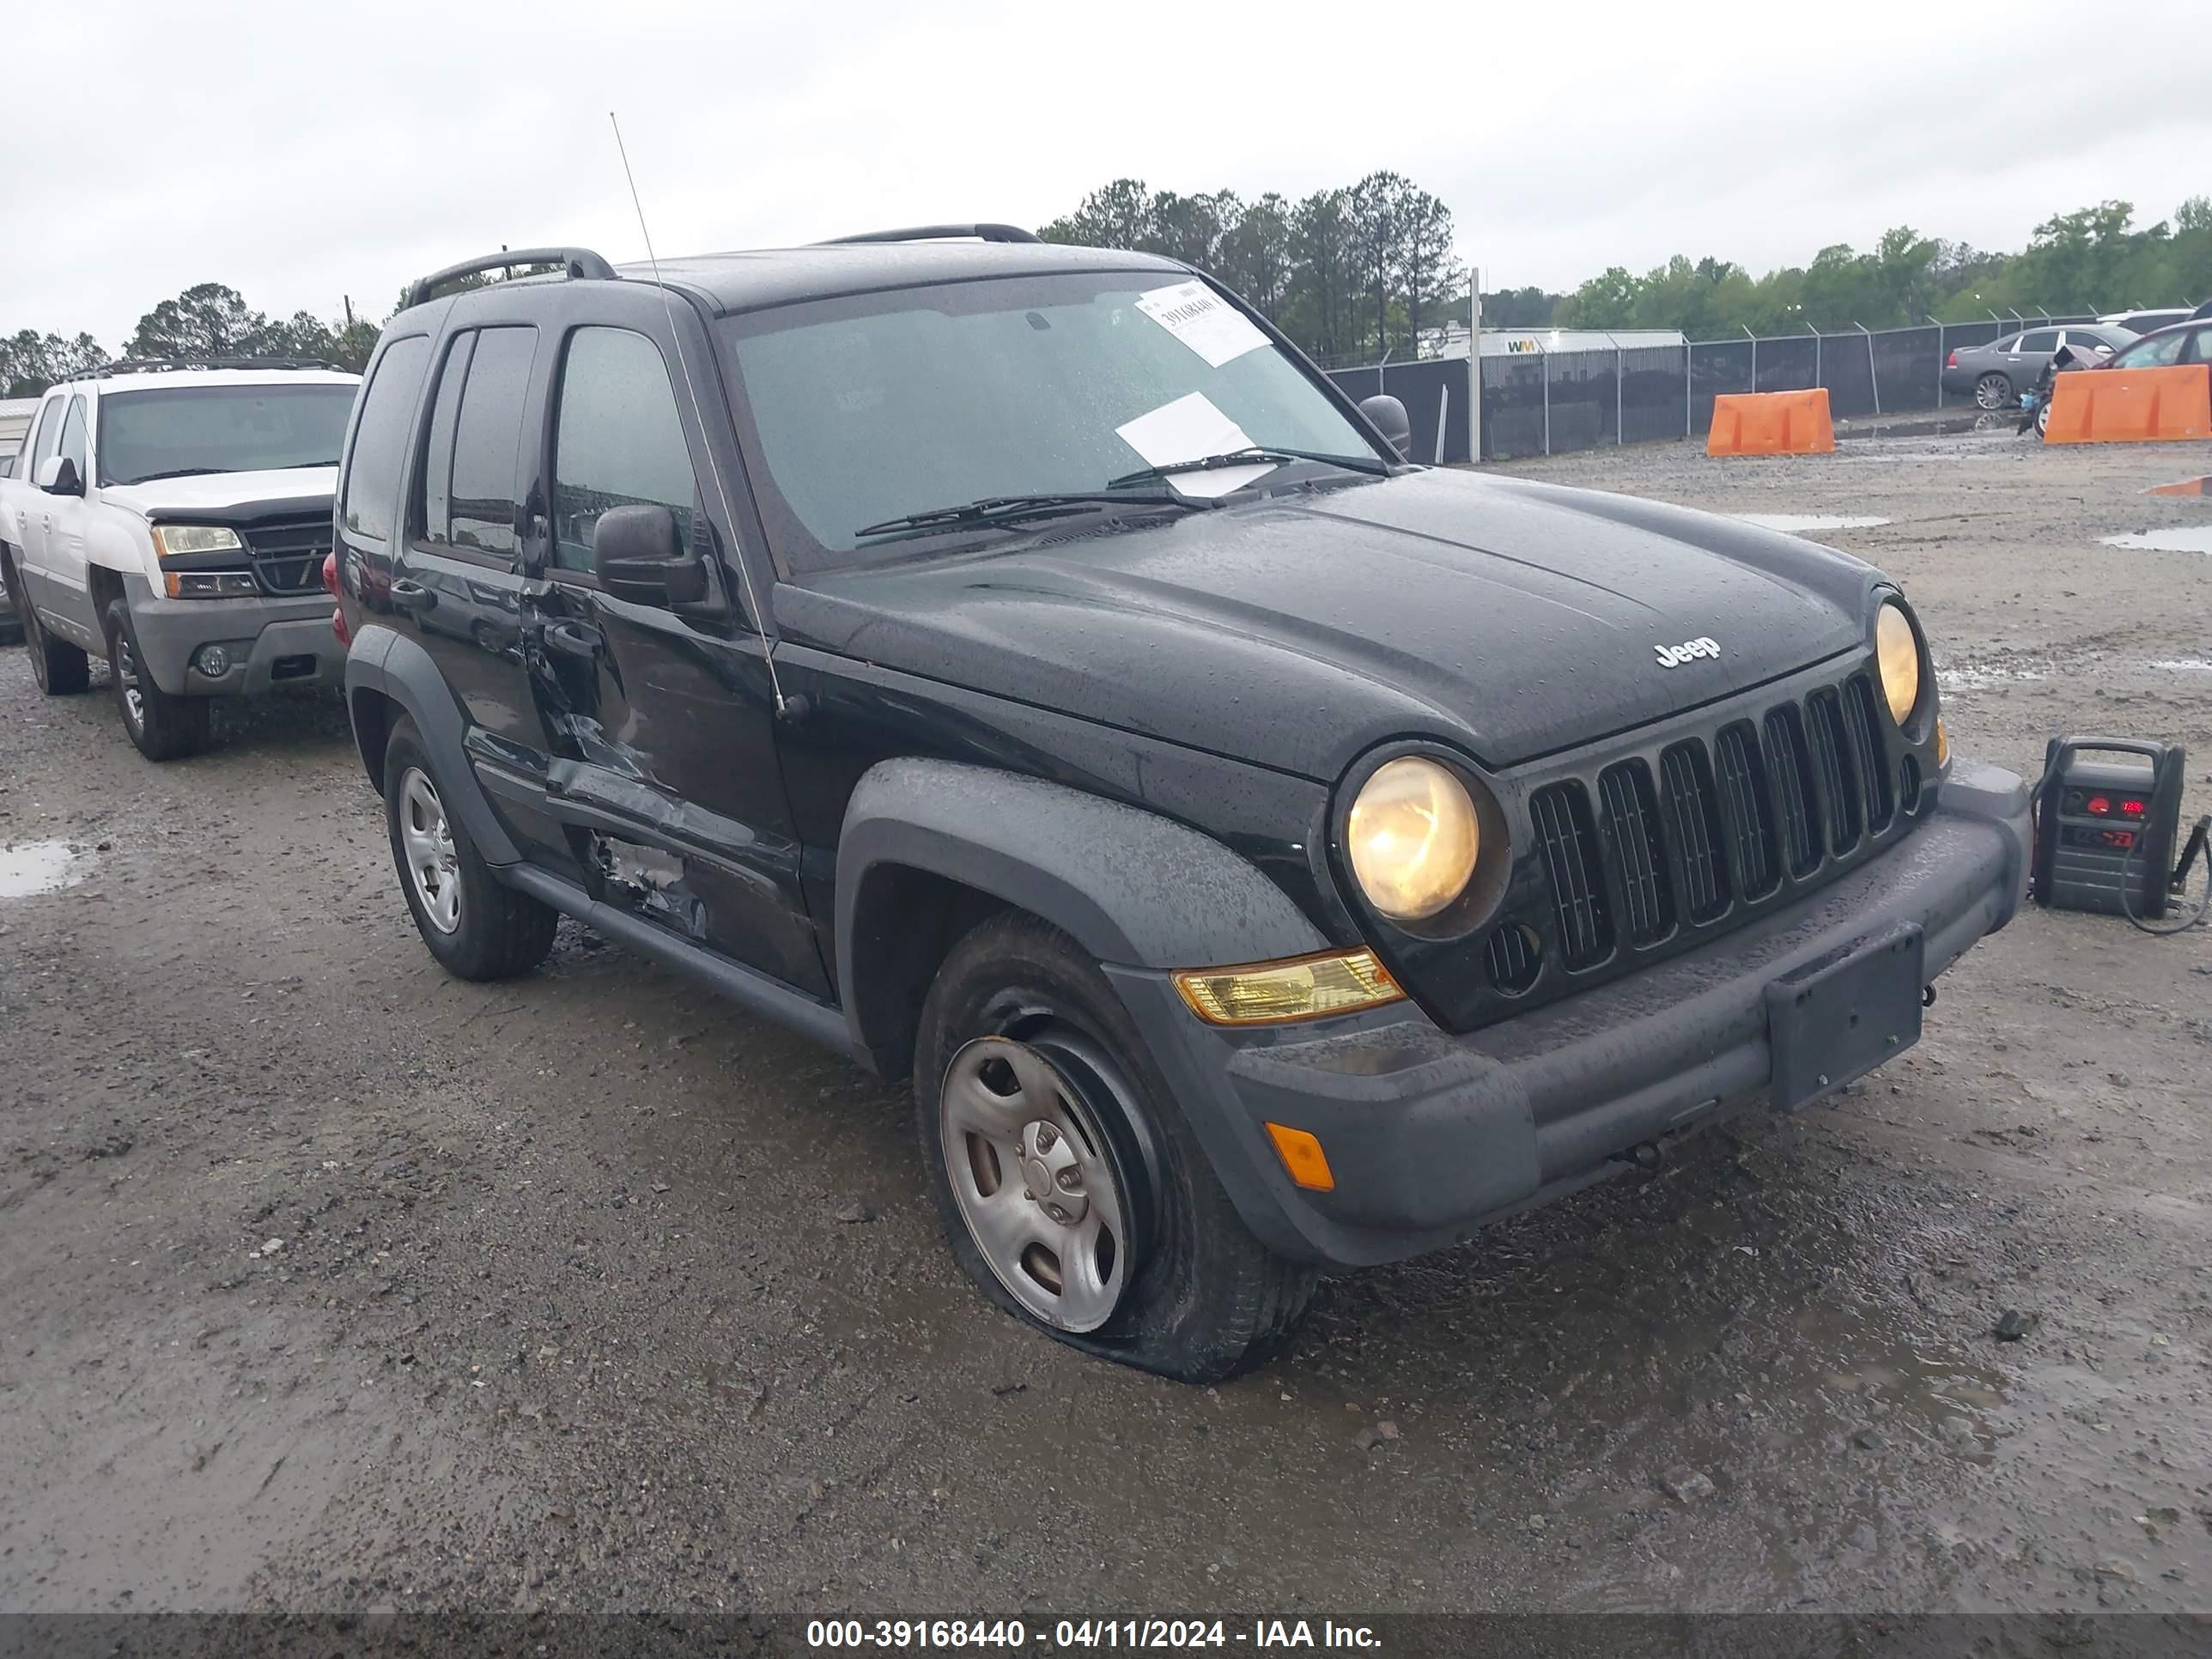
(2130, 405)
(1772, 423)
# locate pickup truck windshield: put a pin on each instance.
(868, 408)
(173, 432)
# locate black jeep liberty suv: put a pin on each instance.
(1017, 667)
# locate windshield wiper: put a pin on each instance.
(294, 467)
(1014, 509)
(180, 472)
(1246, 457)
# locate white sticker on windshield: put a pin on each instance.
(1202, 320)
(1189, 429)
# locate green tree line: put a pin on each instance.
(2086, 261)
(1355, 271)
(207, 320)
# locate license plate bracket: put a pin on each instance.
(1836, 1018)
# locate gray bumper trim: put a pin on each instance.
(1430, 1135)
(257, 632)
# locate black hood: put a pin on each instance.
(1509, 618)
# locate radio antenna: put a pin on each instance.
(699, 418)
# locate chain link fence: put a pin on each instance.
(1539, 403)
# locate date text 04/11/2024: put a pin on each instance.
(1087, 1634)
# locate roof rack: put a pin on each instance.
(938, 232)
(576, 264)
(202, 360)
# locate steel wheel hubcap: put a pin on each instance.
(1030, 1173)
(434, 864)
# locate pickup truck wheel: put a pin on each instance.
(61, 669)
(164, 727)
(476, 926)
(1069, 1192)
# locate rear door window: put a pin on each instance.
(380, 437)
(488, 445)
(2041, 339)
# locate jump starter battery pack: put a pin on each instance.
(2104, 828)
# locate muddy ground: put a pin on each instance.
(329, 1282)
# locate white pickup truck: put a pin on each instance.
(173, 517)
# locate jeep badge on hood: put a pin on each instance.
(1673, 656)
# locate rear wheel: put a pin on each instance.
(476, 926)
(1993, 390)
(60, 668)
(164, 727)
(1071, 1190)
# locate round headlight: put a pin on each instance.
(1412, 838)
(1897, 658)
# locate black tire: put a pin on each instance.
(61, 669)
(497, 932)
(2043, 417)
(163, 727)
(1202, 1298)
(1993, 390)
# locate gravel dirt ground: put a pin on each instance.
(327, 1282)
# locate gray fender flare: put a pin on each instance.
(1133, 889)
(396, 667)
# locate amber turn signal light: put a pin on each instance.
(1305, 987)
(1942, 743)
(1302, 1157)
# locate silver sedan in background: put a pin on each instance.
(1997, 374)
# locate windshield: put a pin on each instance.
(176, 431)
(867, 408)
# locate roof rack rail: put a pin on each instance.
(204, 360)
(575, 263)
(937, 232)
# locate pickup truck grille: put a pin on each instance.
(287, 555)
(1655, 846)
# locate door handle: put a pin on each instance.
(571, 639)
(412, 595)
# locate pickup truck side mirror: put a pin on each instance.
(1390, 419)
(57, 476)
(639, 556)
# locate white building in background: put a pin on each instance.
(15, 424)
(1450, 340)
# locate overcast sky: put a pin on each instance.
(301, 154)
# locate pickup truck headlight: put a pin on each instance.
(1412, 837)
(175, 540)
(1896, 660)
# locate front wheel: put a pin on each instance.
(1993, 390)
(1070, 1189)
(2043, 418)
(476, 926)
(161, 726)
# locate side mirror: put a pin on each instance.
(1390, 417)
(57, 476)
(639, 556)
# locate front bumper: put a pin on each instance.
(270, 642)
(1430, 1135)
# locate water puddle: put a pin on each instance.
(2183, 486)
(41, 866)
(2195, 538)
(1979, 680)
(1796, 523)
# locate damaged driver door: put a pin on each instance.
(656, 707)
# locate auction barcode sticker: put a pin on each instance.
(1202, 320)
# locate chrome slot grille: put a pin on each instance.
(1632, 835)
(1791, 769)
(1693, 823)
(1750, 817)
(288, 557)
(1561, 815)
